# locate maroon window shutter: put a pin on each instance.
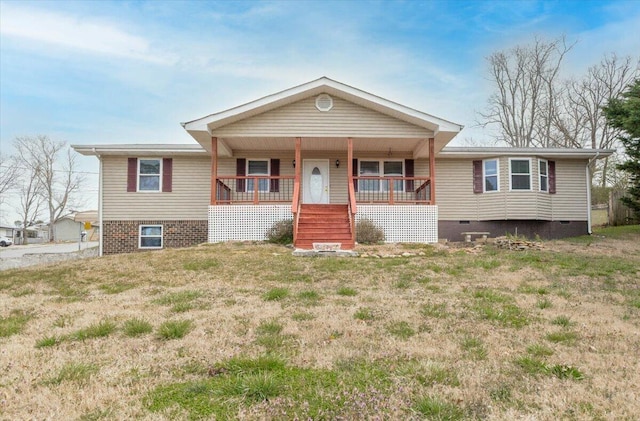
(551, 169)
(241, 168)
(354, 172)
(409, 172)
(167, 174)
(274, 185)
(132, 175)
(477, 177)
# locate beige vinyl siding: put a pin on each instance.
(189, 199)
(305, 120)
(570, 201)
(457, 201)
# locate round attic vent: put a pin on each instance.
(324, 102)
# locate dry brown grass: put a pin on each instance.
(458, 348)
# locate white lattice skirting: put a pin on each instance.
(244, 222)
(403, 224)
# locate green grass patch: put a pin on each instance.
(116, 287)
(96, 330)
(436, 374)
(500, 308)
(433, 408)
(309, 297)
(534, 366)
(365, 314)
(400, 329)
(14, 323)
(271, 327)
(174, 329)
(564, 337)
(563, 321)
(544, 304)
(201, 264)
(538, 350)
(276, 294)
(181, 301)
(431, 310)
(73, 372)
(136, 327)
(347, 292)
(48, 341)
(473, 347)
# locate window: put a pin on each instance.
(543, 169)
(372, 169)
(150, 236)
(149, 171)
(520, 174)
(490, 175)
(258, 167)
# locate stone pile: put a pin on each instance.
(514, 243)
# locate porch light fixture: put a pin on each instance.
(293, 163)
(337, 163)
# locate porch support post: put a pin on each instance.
(350, 159)
(432, 170)
(298, 160)
(214, 170)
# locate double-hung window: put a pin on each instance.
(150, 237)
(520, 174)
(543, 169)
(258, 167)
(149, 170)
(380, 169)
(490, 175)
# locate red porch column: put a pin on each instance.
(214, 170)
(432, 170)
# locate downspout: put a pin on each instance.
(588, 179)
(101, 229)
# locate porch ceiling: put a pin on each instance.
(228, 147)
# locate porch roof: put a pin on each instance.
(441, 130)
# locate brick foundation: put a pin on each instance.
(122, 236)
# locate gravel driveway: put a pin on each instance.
(34, 254)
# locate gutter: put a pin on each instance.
(100, 190)
(588, 180)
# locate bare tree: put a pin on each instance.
(526, 80)
(56, 171)
(31, 200)
(8, 175)
(580, 121)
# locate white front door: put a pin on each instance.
(315, 181)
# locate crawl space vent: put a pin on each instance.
(324, 102)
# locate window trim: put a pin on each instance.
(484, 176)
(250, 180)
(381, 173)
(140, 236)
(540, 175)
(139, 175)
(511, 175)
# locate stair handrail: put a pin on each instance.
(353, 208)
(295, 207)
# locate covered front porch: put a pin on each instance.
(324, 185)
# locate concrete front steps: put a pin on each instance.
(324, 224)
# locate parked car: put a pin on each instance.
(5, 241)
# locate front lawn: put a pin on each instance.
(248, 331)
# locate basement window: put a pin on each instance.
(150, 237)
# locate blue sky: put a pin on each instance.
(130, 71)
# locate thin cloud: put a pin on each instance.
(45, 29)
